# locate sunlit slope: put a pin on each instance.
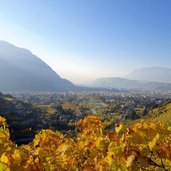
(162, 114)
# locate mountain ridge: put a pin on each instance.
(123, 83)
(154, 74)
(21, 70)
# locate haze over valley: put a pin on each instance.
(22, 71)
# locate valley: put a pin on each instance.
(27, 114)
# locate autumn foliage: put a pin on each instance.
(145, 145)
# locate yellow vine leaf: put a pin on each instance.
(169, 128)
(4, 167)
(36, 152)
(36, 141)
(16, 155)
(100, 143)
(152, 143)
(118, 128)
(2, 133)
(129, 161)
(36, 160)
(2, 120)
(62, 148)
(4, 159)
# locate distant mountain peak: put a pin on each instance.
(155, 74)
(122, 83)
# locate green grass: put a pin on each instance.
(163, 114)
(9, 99)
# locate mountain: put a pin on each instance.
(20, 70)
(155, 74)
(122, 83)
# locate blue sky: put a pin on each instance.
(87, 39)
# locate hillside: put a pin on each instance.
(20, 70)
(25, 119)
(162, 114)
(155, 74)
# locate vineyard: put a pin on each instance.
(145, 145)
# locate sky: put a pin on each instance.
(87, 39)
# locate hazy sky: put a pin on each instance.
(86, 39)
